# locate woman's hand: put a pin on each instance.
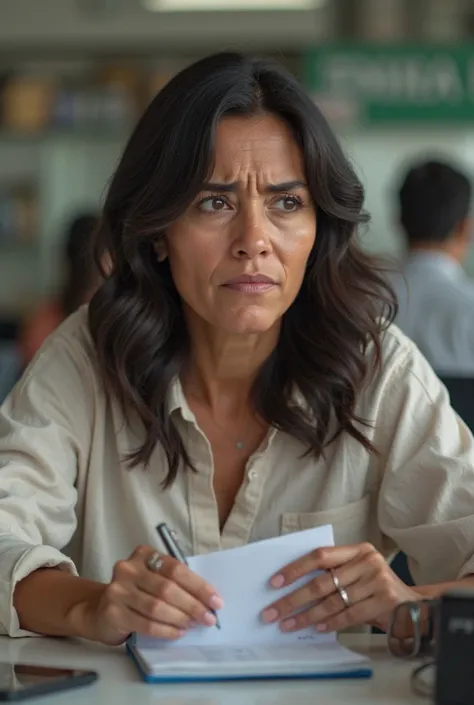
(372, 589)
(162, 604)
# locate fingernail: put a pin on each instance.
(277, 581)
(321, 627)
(209, 619)
(182, 633)
(216, 602)
(270, 615)
(288, 624)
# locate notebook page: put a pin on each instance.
(322, 657)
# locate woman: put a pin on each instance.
(81, 281)
(233, 377)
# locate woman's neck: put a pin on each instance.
(222, 368)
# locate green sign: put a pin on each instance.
(394, 83)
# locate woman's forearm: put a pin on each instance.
(431, 592)
(50, 601)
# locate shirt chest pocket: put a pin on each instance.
(351, 523)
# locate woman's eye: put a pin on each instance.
(213, 204)
(288, 203)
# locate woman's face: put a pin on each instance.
(238, 254)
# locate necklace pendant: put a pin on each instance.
(239, 445)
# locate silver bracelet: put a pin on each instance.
(420, 617)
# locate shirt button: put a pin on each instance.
(252, 475)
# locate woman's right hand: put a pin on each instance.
(163, 604)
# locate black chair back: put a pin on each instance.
(461, 391)
(10, 368)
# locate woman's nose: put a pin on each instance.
(252, 238)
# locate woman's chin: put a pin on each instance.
(253, 323)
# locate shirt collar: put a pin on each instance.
(177, 400)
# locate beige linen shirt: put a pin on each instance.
(67, 498)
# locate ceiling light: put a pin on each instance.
(233, 5)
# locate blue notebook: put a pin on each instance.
(245, 647)
(162, 665)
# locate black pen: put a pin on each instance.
(170, 540)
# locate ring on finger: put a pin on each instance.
(342, 592)
(155, 562)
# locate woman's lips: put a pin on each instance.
(251, 284)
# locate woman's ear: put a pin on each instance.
(161, 249)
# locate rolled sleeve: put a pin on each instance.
(23, 560)
(44, 429)
(426, 498)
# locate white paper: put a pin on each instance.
(241, 577)
(245, 642)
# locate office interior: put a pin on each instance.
(75, 74)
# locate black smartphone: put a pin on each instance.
(19, 680)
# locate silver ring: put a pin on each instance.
(342, 593)
(155, 562)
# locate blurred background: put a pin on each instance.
(395, 77)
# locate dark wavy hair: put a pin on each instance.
(136, 318)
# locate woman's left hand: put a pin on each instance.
(363, 576)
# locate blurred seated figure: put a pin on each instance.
(436, 297)
(80, 283)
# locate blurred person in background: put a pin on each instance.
(80, 283)
(436, 297)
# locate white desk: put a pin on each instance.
(119, 683)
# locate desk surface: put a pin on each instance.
(119, 683)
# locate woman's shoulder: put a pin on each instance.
(61, 386)
(403, 366)
(69, 343)
(75, 330)
(395, 347)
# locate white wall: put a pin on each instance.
(380, 157)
